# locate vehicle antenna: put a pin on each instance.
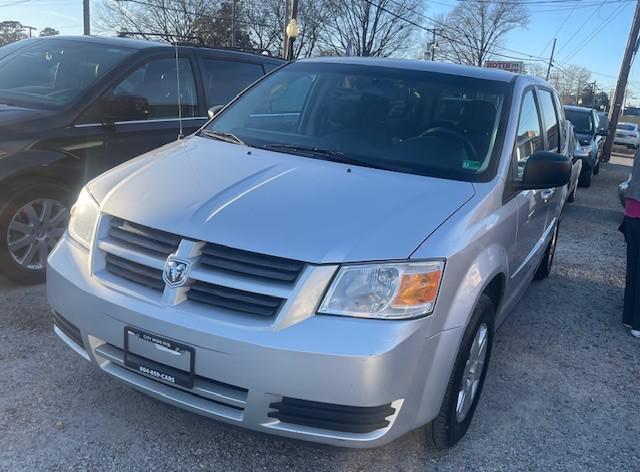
(180, 132)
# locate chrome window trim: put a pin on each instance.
(159, 120)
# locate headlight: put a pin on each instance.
(84, 217)
(387, 291)
(583, 150)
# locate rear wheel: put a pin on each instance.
(466, 381)
(31, 223)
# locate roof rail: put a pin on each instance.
(177, 40)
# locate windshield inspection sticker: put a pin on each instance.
(471, 165)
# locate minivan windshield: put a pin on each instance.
(52, 73)
(581, 120)
(391, 118)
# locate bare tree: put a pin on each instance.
(165, 19)
(49, 32)
(371, 27)
(11, 31)
(474, 29)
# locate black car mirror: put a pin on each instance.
(125, 107)
(213, 111)
(546, 169)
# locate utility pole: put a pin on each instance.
(31, 29)
(433, 44)
(553, 50)
(285, 21)
(87, 17)
(621, 86)
(233, 23)
(291, 31)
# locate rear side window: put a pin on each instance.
(550, 119)
(528, 139)
(223, 80)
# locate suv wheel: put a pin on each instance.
(31, 223)
(466, 381)
(585, 177)
(544, 269)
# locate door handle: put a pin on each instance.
(547, 194)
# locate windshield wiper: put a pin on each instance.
(328, 155)
(222, 136)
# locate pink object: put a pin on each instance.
(631, 208)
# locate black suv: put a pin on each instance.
(590, 133)
(74, 107)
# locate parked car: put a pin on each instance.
(591, 136)
(627, 134)
(576, 168)
(73, 107)
(329, 258)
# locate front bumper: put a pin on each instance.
(244, 373)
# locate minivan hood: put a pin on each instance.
(272, 203)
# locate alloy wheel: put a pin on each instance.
(472, 372)
(34, 230)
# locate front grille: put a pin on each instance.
(250, 264)
(349, 419)
(68, 328)
(225, 278)
(233, 299)
(134, 272)
(142, 238)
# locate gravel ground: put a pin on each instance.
(561, 393)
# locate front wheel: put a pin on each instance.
(544, 269)
(466, 381)
(585, 177)
(31, 223)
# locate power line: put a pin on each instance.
(444, 25)
(595, 33)
(580, 28)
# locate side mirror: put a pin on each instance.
(213, 111)
(602, 132)
(124, 107)
(546, 169)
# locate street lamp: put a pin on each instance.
(292, 34)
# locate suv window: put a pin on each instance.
(224, 79)
(157, 83)
(528, 139)
(550, 119)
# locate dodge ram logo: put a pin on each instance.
(175, 272)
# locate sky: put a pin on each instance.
(590, 33)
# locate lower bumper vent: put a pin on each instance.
(68, 328)
(350, 419)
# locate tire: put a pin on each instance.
(585, 177)
(572, 196)
(450, 425)
(596, 169)
(23, 227)
(544, 269)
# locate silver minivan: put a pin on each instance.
(329, 258)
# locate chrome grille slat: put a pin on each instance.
(233, 299)
(147, 239)
(135, 272)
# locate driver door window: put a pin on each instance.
(156, 83)
(528, 139)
